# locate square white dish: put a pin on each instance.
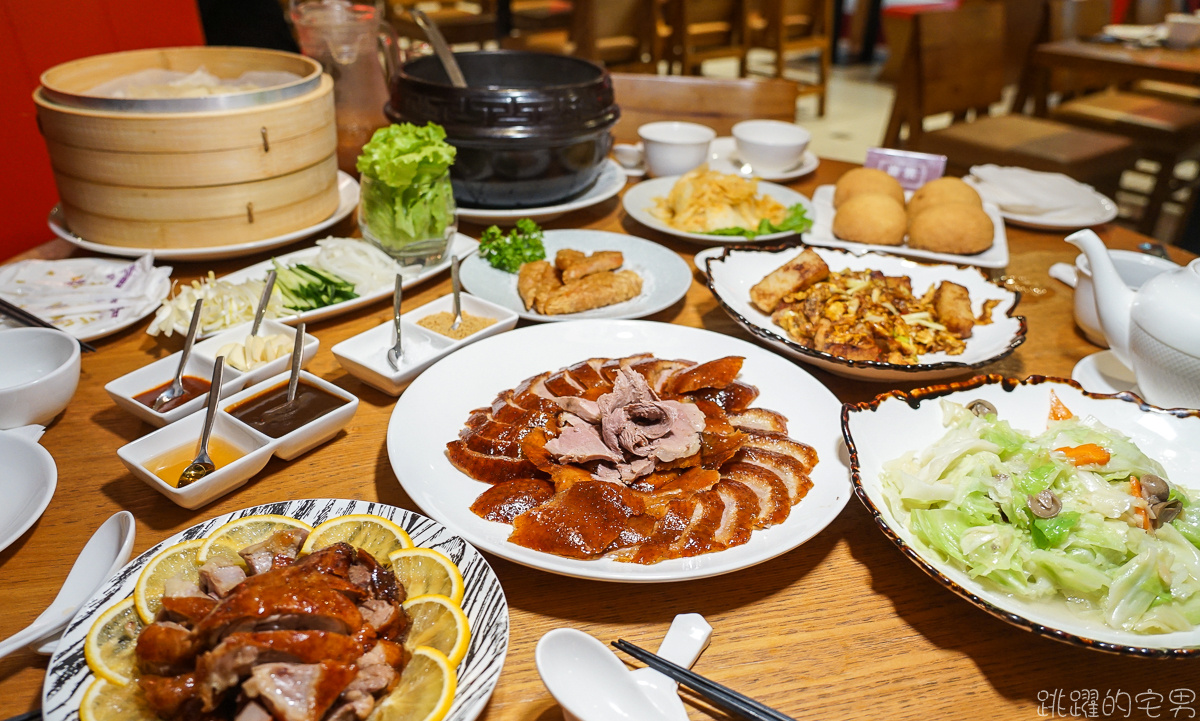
(821, 233)
(123, 389)
(208, 348)
(311, 434)
(365, 355)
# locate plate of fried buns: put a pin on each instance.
(943, 220)
(585, 274)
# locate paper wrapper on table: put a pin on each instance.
(242, 167)
(1029, 192)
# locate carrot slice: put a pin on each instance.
(1135, 488)
(1058, 412)
(1088, 454)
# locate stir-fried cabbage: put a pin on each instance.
(966, 498)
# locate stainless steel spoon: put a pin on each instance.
(203, 465)
(176, 388)
(396, 352)
(297, 353)
(444, 53)
(262, 302)
(456, 284)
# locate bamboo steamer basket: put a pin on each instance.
(193, 178)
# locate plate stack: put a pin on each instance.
(183, 172)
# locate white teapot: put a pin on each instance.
(1154, 330)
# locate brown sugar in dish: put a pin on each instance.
(440, 323)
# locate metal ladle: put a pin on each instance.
(444, 53)
(203, 465)
(176, 388)
(297, 358)
(262, 302)
(456, 285)
(396, 352)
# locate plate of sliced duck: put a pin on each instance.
(622, 450)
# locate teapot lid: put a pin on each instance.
(1168, 308)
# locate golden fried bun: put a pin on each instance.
(942, 190)
(951, 228)
(866, 180)
(871, 218)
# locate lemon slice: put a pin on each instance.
(423, 571)
(374, 534)
(439, 623)
(106, 701)
(111, 641)
(237, 534)
(425, 691)
(173, 561)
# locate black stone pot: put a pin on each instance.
(531, 129)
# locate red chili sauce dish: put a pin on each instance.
(270, 413)
(193, 387)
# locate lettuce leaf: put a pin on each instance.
(408, 197)
(796, 221)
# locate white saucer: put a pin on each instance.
(1101, 372)
(610, 182)
(347, 202)
(722, 157)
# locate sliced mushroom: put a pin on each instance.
(1165, 512)
(981, 408)
(1044, 504)
(1155, 489)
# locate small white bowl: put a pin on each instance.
(365, 355)
(123, 389)
(770, 146)
(673, 148)
(237, 334)
(257, 448)
(311, 434)
(39, 371)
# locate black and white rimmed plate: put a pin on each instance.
(897, 423)
(731, 272)
(68, 675)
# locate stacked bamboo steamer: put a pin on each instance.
(190, 172)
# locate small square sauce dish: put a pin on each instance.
(365, 355)
(319, 411)
(238, 452)
(211, 348)
(157, 375)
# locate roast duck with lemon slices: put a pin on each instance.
(637, 459)
(296, 640)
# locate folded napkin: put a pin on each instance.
(1028, 192)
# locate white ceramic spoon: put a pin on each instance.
(105, 552)
(592, 684)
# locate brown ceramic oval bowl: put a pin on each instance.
(531, 129)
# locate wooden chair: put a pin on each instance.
(707, 30)
(797, 27)
(620, 34)
(955, 64)
(461, 24)
(1163, 130)
(719, 103)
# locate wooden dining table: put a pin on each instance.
(842, 627)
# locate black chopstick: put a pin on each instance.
(33, 715)
(18, 313)
(722, 697)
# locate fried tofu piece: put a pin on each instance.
(796, 274)
(952, 306)
(593, 291)
(576, 265)
(535, 281)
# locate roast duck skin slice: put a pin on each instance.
(641, 459)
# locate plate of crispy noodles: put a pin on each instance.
(691, 206)
(874, 316)
(615, 276)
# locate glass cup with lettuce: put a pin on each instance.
(406, 205)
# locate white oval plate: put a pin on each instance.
(733, 271)
(68, 675)
(608, 183)
(347, 202)
(26, 485)
(723, 157)
(665, 276)
(897, 423)
(639, 200)
(1102, 211)
(821, 234)
(460, 245)
(433, 409)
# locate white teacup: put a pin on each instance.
(1134, 268)
(673, 147)
(770, 146)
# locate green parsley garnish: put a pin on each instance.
(507, 251)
